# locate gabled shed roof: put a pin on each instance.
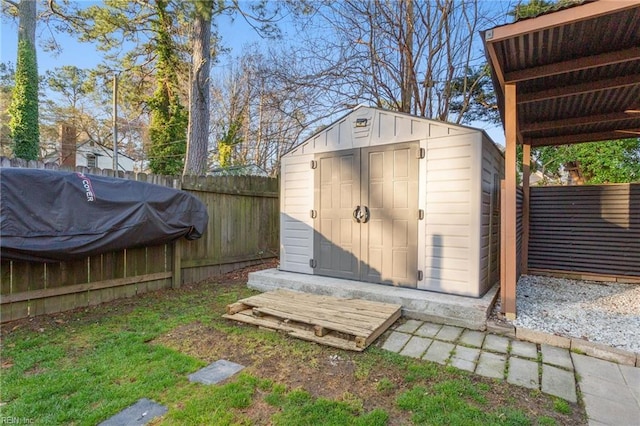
(364, 126)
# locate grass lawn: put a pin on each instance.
(83, 367)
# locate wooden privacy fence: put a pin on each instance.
(243, 229)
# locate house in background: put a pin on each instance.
(86, 154)
(91, 154)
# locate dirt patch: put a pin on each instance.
(322, 371)
(333, 373)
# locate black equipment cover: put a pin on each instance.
(52, 216)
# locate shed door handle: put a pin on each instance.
(367, 215)
(356, 214)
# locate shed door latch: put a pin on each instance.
(312, 263)
(313, 213)
(314, 164)
(421, 153)
(420, 275)
(420, 214)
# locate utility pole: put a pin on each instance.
(115, 123)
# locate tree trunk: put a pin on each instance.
(406, 50)
(27, 16)
(24, 103)
(199, 100)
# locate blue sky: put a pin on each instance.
(84, 55)
(235, 35)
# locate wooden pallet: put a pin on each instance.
(351, 324)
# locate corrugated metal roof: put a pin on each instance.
(577, 72)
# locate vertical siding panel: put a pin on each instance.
(296, 224)
(492, 173)
(448, 251)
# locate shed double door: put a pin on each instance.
(366, 214)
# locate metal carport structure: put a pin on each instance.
(565, 77)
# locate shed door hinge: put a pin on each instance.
(312, 263)
(314, 164)
(420, 275)
(421, 153)
(420, 214)
(313, 213)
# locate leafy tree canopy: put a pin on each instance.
(615, 161)
(536, 7)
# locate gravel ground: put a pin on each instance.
(607, 313)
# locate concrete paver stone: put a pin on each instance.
(469, 354)
(428, 329)
(472, 338)
(140, 413)
(609, 411)
(589, 366)
(410, 326)
(215, 372)
(449, 333)
(597, 423)
(491, 365)
(396, 341)
(495, 343)
(523, 372)
(465, 358)
(603, 388)
(463, 364)
(632, 378)
(439, 352)
(524, 349)
(560, 357)
(559, 382)
(416, 346)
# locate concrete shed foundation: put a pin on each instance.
(441, 308)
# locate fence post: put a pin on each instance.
(177, 265)
(177, 251)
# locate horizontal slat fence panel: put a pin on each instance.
(519, 229)
(243, 230)
(588, 229)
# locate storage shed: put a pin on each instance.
(389, 198)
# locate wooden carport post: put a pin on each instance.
(508, 222)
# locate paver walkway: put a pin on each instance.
(610, 392)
